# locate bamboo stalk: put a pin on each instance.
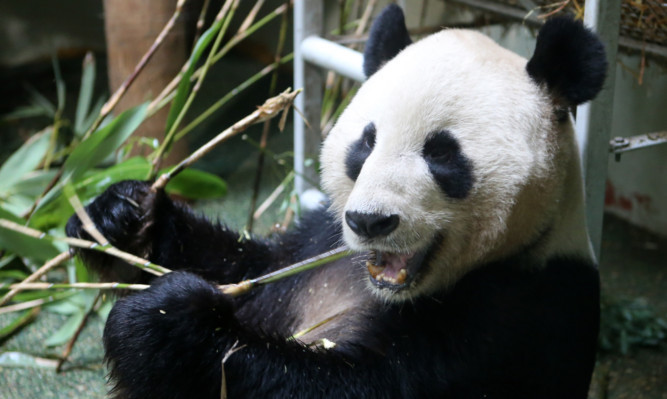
(86, 221)
(118, 94)
(229, 289)
(62, 257)
(267, 124)
(200, 21)
(70, 345)
(271, 108)
(170, 89)
(305, 265)
(134, 260)
(218, 104)
(224, 18)
(83, 286)
(31, 304)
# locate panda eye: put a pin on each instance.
(359, 151)
(368, 136)
(450, 168)
(440, 148)
(440, 154)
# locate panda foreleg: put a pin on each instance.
(169, 341)
(149, 224)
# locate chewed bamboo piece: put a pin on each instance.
(271, 108)
(310, 263)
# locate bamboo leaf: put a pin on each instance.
(60, 84)
(185, 84)
(24, 245)
(16, 324)
(38, 100)
(196, 184)
(103, 142)
(85, 94)
(25, 159)
(66, 331)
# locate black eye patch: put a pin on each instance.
(359, 151)
(449, 167)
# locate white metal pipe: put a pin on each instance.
(593, 124)
(333, 56)
(299, 102)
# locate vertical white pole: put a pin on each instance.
(308, 20)
(593, 125)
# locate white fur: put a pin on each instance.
(525, 164)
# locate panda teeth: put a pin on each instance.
(374, 270)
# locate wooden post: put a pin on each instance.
(131, 27)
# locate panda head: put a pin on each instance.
(456, 152)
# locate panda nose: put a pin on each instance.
(371, 225)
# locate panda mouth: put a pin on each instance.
(394, 271)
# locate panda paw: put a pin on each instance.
(124, 214)
(171, 336)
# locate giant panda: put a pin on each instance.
(454, 178)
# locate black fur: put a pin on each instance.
(359, 151)
(569, 59)
(451, 169)
(501, 332)
(387, 37)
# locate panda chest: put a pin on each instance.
(333, 306)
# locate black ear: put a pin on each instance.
(569, 59)
(388, 36)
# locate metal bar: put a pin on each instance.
(333, 56)
(308, 21)
(620, 145)
(531, 19)
(593, 125)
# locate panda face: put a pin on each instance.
(437, 158)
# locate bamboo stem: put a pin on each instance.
(267, 124)
(118, 94)
(134, 260)
(305, 265)
(218, 104)
(229, 289)
(85, 286)
(224, 18)
(62, 257)
(271, 108)
(70, 345)
(86, 221)
(169, 90)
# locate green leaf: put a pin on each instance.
(16, 324)
(60, 84)
(85, 94)
(184, 85)
(38, 100)
(103, 142)
(196, 184)
(25, 159)
(12, 275)
(24, 245)
(95, 183)
(66, 331)
(27, 111)
(32, 183)
(18, 359)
